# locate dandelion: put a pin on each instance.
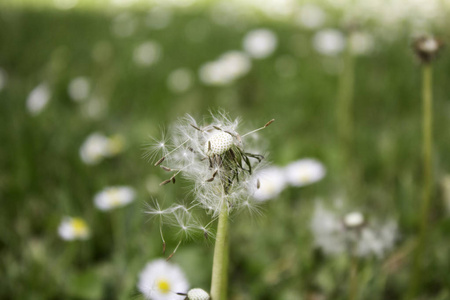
(96, 147)
(214, 156)
(79, 88)
(147, 54)
(337, 233)
(304, 172)
(270, 182)
(73, 229)
(161, 280)
(329, 42)
(38, 98)
(114, 197)
(260, 43)
(197, 294)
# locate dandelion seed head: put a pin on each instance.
(218, 143)
(197, 294)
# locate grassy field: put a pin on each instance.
(272, 256)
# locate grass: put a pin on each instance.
(271, 257)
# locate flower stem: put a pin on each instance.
(427, 99)
(220, 262)
(353, 285)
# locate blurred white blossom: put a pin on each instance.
(180, 80)
(147, 53)
(65, 4)
(124, 25)
(229, 67)
(79, 88)
(73, 229)
(97, 146)
(38, 98)
(159, 17)
(304, 171)
(161, 280)
(311, 16)
(113, 197)
(270, 183)
(260, 43)
(361, 43)
(329, 42)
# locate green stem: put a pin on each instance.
(220, 261)
(427, 98)
(353, 285)
(345, 100)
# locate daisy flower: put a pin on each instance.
(260, 43)
(304, 172)
(73, 229)
(38, 99)
(113, 197)
(97, 146)
(270, 183)
(161, 280)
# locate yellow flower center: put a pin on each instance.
(163, 286)
(114, 197)
(79, 226)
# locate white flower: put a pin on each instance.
(73, 229)
(229, 67)
(38, 99)
(260, 43)
(147, 53)
(305, 171)
(180, 80)
(124, 25)
(79, 88)
(159, 17)
(197, 294)
(329, 42)
(272, 181)
(161, 280)
(361, 43)
(97, 146)
(113, 197)
(311, 16)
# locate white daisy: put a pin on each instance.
(97, 146)
(311, 16)
(38, 99)
(329, 42)
(113, 197)
(229, 67)
(271, 183)
(73, 229)
(180, 80)
(260, 43)
(147, 54)
(305, 171)
(161, 280)
(79, 88)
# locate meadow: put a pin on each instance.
(127, 93)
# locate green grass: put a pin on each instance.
(272, 257)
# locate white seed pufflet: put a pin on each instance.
(218, 143)
(197, 294)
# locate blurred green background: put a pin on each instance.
(43, 179)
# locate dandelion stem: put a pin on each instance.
(427, 99)
(220, 261)
(353, 285)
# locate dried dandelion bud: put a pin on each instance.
(218, 143)
(427, 48)
(197, 294)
